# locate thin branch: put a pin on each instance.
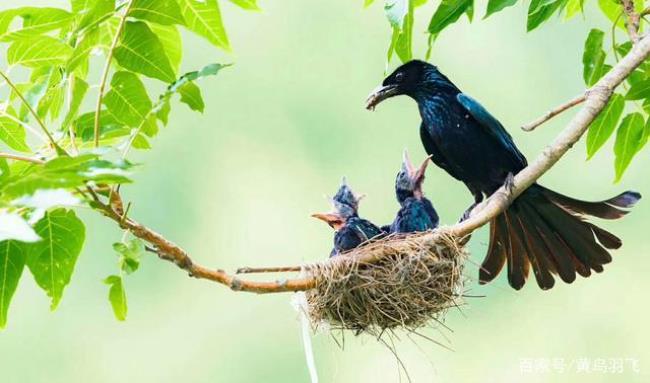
(107, 67)
(18, 157)
(554, 112)
(281, 269)
(595, 101)
(631, 20)
(29, 108)
(169, 251)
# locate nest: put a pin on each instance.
(395, 282)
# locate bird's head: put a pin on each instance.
(346, 196)
(345, 205)
(409, 79)
(409, 179)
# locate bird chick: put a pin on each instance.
(351, 230)
(417, 212)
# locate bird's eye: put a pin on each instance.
(399, 77)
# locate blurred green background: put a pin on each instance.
(236, 186)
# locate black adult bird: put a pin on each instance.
(351, 230)
(541, 228)
(416, 212)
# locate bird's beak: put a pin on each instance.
(332, 219)
(419, 174)
(380, 93)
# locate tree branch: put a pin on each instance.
(107, 67)
(632, 20)
(595, 101)
(171, 252)
(554, 112)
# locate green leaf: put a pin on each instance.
(163, 101)
(35, 21)
(14, 227)
(33, 93)
(574, 7)
(52, 102)
(448, 12)
(52, 260)
(81, 52)
(541, 10)
(5, 171)
(117, 296)
(614, 12)
(191, 95)
(81, 5)
(96, 10)
(38, 51)
(171, 42)
(495, 6)
(13, 134)
(603, 126)
(636, 77)
(204, 18)
(593, 57)
(140, 142)
(639, 90)
(12, 262)
(631, 136)
(250, 5)
(141, 51)
(84, 126)
(65, 173)
(128, 100)
(164, 12)
(75, 98)
(402, 40)
(129, 254)
(162, 111)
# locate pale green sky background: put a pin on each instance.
(235, 186)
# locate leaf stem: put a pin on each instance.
(18, 157)
(107, 67)
(29, 108)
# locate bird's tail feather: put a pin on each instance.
(548, 232)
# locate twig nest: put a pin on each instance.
(395, 282)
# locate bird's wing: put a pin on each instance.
(491, 124)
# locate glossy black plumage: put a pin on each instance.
(542, 229)
(351, 231)
(416, 212)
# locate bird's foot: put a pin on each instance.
(509, 183)
(468, 212)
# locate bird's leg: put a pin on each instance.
(478, 198)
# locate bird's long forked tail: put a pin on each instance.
(549, 232)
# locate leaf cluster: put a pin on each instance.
(75, 134)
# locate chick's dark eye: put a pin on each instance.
(399, 77)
